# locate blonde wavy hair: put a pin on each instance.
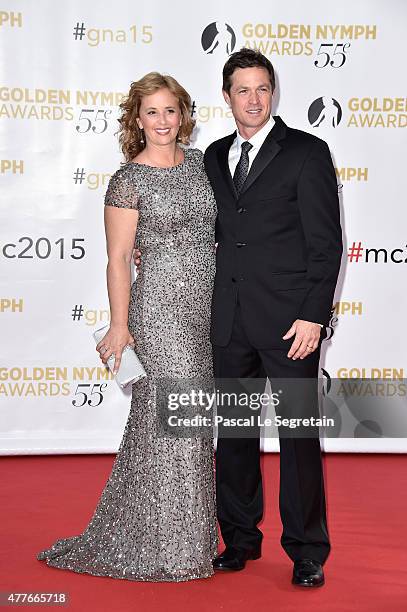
(130, 135)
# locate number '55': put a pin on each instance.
(89, 122)
(338, 55)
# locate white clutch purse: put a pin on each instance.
(131, 369)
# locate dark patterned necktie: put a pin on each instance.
(242, 167)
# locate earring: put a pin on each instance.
(141, 136)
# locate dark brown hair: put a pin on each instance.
(130, 135)
(246, 58)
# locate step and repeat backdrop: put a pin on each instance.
(65, 67)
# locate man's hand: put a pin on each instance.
(307, 336)
(137, 259)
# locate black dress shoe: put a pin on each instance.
(234, 559)
(308, 573)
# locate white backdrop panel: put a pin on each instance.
(59, 95)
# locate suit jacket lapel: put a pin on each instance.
(269, 149)
(223, 160)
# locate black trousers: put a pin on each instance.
(238, 475)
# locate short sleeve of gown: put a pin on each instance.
(121, 190)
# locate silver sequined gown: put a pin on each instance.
(156, 517)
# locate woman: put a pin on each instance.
(156, 518)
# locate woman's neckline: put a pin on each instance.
(134, 163)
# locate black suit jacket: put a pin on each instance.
(280, 241)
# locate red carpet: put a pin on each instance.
(44, 498)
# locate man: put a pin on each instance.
(278, 258)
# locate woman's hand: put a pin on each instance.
(137, 259)
(114, 341)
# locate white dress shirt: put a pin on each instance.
(256, 140)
